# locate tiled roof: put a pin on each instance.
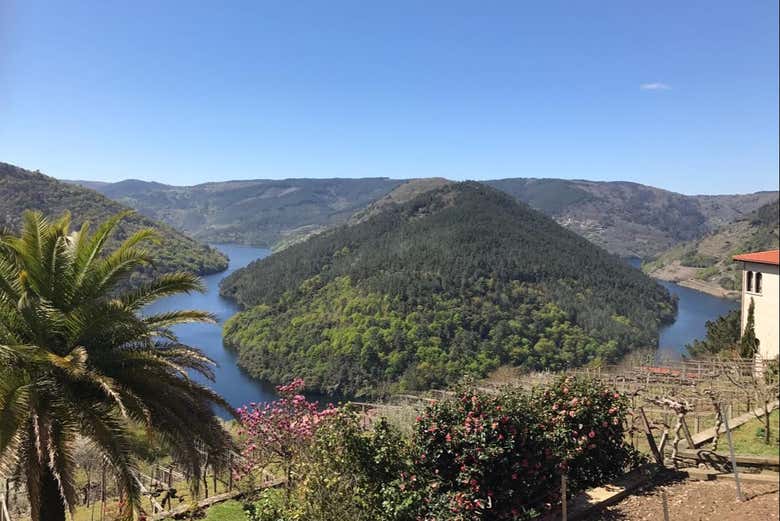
(760, 257)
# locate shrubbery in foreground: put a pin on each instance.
(478, 456)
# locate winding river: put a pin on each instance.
(236, 386)
(695, 309)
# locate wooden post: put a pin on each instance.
(650, 440)
(698, 424)
(733, 459)
(687, 433)
(564, 501)
(665, 502)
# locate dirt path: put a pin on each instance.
(697, 501)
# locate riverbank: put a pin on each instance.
(687, 276)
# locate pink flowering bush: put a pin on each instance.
(584, 422)
(478, 457)
(501, 456)
(277, 434)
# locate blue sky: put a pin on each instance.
(196, 91)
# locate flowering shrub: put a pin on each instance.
(492, 457)
(278, 433)
(583, 421)
(477, 457)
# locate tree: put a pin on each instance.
(278, 433)
(79, 358)
(722, 336)
(749, 343)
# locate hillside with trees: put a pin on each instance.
(459, 280)
(705, 264)
(258, 212)
(22, 190)
(629, 219)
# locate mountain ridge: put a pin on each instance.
(627, 218)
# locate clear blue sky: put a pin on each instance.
(194, 91)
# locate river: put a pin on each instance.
(237, 387)
(694, 310)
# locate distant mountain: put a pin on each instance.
(705, 264)
(460, 279)
(22, 189)
(629, 219)
(258, 212)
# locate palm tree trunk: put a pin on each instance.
(52, 507)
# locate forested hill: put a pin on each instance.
(22, 190)
(461, 279)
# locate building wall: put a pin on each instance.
(767, 307)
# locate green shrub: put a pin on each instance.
(349, 469)
(583, 421)
(694, 259)
(272, 505)
(483, 456)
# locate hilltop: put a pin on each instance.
(705, 264)
(22, 189)
(458, 280)
(629, 219)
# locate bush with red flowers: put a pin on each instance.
(583, 422)
(500, 456)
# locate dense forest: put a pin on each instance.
(22, 189)
(459, 280)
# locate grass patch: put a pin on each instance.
(749, 438)
(230, 510)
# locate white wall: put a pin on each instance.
(767, 307)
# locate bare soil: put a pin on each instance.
(686, 276)
(697, 501)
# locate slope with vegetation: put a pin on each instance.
(256, 212)
(705, 264)
(459, 280)
(630, 219)
(22, 190)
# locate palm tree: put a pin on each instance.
(79, 359)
